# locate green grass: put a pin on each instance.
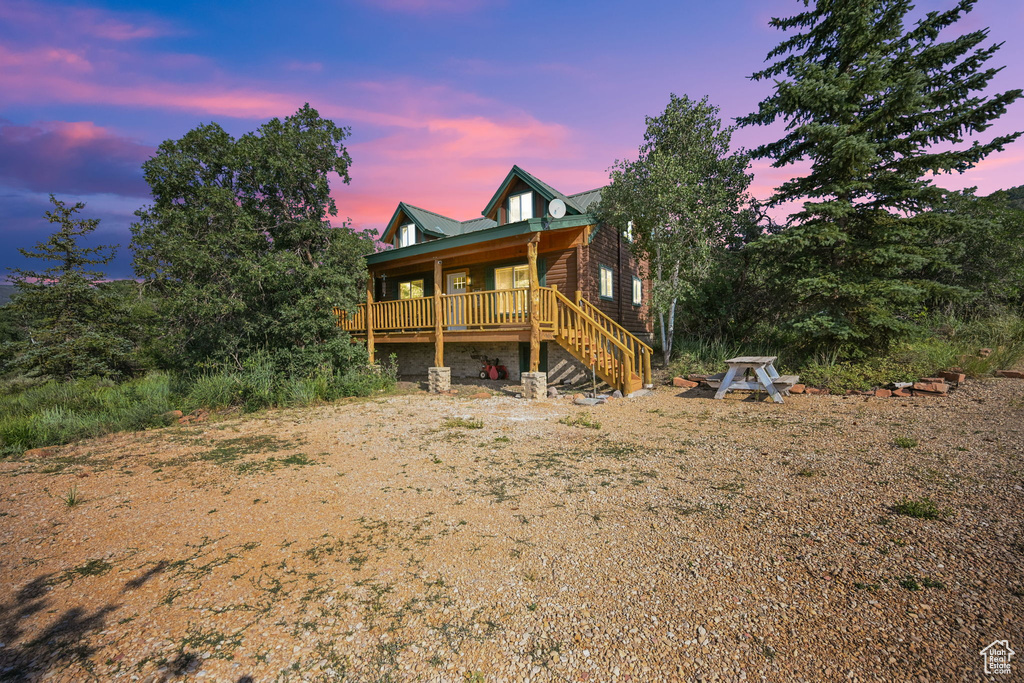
(905, 441)
(55, 413)
(580, 420)
(461, 423)
(73, 498)
(922, 508)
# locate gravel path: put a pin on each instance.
(454, 539)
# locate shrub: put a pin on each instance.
(922, 508)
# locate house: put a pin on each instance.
(536, 282)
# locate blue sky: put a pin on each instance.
(442, 96)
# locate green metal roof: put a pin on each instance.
(494, 232)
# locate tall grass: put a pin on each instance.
(59, 412)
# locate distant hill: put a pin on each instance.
(6, 292)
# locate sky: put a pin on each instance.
(442, 96)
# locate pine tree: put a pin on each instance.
(64, 317)
(876, 108)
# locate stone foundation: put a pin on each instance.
(535, 385)
(440, 379)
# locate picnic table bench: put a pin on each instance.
(765, 377)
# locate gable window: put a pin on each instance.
(410, 290)
(606, 285)
(520, 207)
(406, 235)
(638, 291)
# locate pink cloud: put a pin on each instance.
(37, 19)
(71, 157)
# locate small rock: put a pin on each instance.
(684, 383)
(552, 392)
(616, 394)
(797, 389)
(955, 377)
(902, 392)
(931, 387)
(883, 393)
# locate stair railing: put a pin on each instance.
(642, 353)
(586, 339)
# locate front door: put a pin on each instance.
(456, 284)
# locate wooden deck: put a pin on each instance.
(532, 315)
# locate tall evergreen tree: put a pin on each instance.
(876, 108)
(239, 246)
(65, 320)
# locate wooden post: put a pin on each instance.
(369, 315)
(531, 255)
(438, 317)
(647, 367)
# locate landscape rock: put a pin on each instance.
(1010, 374)
(684, 383)
(931, 387)
(616, 394)
(816, 391)
(883, 393)
(797, 389)
(697, 378)
(552, 392)
(902, 392)
(582, 401)
(951, 376)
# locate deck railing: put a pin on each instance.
(592, 344)
(641, 351)
(472, 310)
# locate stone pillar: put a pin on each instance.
(439, 379)
(535, 385)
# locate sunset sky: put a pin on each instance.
(442, 96)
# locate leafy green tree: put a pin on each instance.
(876, 108)
(683, 198)
(239, 247)
(64, 318)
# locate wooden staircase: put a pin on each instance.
(618, 356)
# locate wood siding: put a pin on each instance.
(609, 249)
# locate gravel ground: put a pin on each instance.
(415, 537)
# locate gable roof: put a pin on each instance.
(439, 226)
(538, 186)
(433, 223)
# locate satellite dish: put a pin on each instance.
(556, 208)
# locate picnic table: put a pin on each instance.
(765, 377)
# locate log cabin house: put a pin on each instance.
(535, 282)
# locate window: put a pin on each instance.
(406, 236)
(410, 290)
(513, 277)
(638, 291)
(629, 232)
(606, 291)
(520, 207)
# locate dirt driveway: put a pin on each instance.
(413, 537)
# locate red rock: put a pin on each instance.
(684, 383)
(697, 378)
(902, 393)
(883, 393)
(816, 391)
(931, 387)
(930, 380)
(950, 376)
(797, 389)
(1010, 374)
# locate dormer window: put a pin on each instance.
(520, 207)
(406, 236)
